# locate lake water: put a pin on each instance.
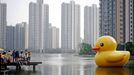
(67, 64)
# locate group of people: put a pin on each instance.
(14, 56)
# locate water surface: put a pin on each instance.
(68, 64)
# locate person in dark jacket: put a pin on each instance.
(13, 55)
(1, 59)
(16, 55)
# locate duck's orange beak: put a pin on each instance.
(95, 49)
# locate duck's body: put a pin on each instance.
(107, 54)
(112, 58)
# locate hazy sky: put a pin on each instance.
(17, 10)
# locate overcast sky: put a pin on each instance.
(17, 10)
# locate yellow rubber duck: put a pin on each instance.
(107, 54)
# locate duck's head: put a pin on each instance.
(105, 43)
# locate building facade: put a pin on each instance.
(26, 34)
(19, 37)
(91, 24)
(108, 17)
(120, 23)
(121, 15)
(3, 23)
(129, 21)
(10, 37)
(38, 26)
(55, 37)
(50, 37)
(70, 26)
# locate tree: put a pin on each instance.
(85, 48)
(130, 47)
(120, 47)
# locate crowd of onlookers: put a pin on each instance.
(14, 56)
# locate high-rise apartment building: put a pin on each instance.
(108, 17)
(117, 19)
(38, 25)
(55, 37)
(70, 26)
(120, 21)
(19, 37)
(129, 20)
(10, 37)
(91, 24)
(50, 37)
(3, 23)
(26, 34)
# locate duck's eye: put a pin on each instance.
(101, 44)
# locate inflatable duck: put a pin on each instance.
(107, 55)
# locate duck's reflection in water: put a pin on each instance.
(111, 71)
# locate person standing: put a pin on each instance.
(29, 56)
(17, 56)
(9, 56)
(1, 59)
(26, 55)
(22, 56)
(13, 55)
